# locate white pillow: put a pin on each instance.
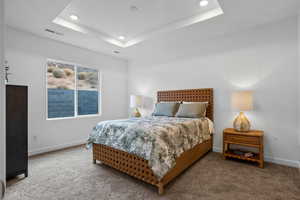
(197, 102)
(192, 110)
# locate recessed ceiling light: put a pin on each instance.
(203, 3)
(74, 17)
(121, 37)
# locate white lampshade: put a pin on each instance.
(136, 101)
(242, 100)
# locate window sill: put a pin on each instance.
(77, 117)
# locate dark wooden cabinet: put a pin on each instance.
(16, 131)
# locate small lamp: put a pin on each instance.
(136, 102)
(242, 101)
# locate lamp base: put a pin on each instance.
(137, 113)
(241, 123)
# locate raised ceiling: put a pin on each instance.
(35, 16)
(127, 22)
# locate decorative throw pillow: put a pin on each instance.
(192, 110)
(166, 109)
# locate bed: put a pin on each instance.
(137, 165)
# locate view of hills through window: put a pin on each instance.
(72, 90)
(87, 91)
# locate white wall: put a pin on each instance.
(263, 59)
(27, 56)
(2, 95)
(298, 35)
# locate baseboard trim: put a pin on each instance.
(276, 160)
(217, 149)
(279, 161)
(55, 148)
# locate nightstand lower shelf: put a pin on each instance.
(231, 154)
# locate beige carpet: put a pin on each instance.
(70, 174)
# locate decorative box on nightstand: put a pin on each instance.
(252, 138)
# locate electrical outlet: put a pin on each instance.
(275, 138)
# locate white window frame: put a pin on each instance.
(75, 91)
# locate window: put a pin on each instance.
(72, 90)
(87, 91)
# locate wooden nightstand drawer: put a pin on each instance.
(242, 139)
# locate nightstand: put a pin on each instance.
(252, 138)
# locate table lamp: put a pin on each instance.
(242, 101)
(136, 102)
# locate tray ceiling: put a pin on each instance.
(162, 42)
(135, 20)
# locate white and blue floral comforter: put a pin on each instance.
(160, 140)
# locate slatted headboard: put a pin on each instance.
(190, 95)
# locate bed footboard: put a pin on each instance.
(138, 167)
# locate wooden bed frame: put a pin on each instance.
(138, 167)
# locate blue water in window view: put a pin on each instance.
(61, 103)
(87, 102)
